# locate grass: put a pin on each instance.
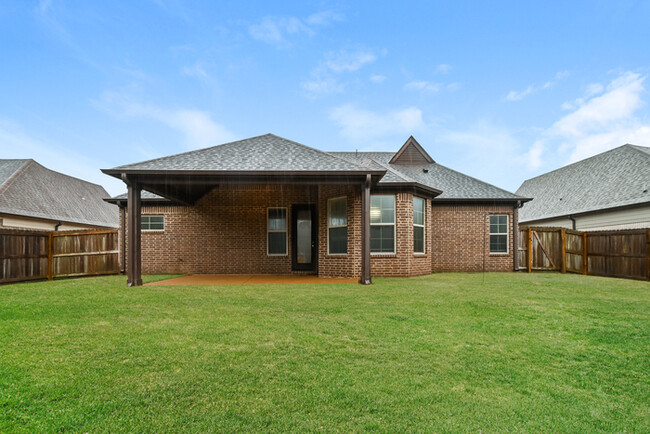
(447, 352)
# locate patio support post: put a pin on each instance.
(134, 256)
(365, 232)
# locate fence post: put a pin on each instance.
(585, 268)
(50, 259)
(563, 242)
(647, 254)
(529, 253)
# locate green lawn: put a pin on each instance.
(447, 352)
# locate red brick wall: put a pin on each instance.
(461, 238)
(404, 262)
(348, 265)
(224, 232)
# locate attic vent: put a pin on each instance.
(645, 188)
(411, 154)
(425, 170)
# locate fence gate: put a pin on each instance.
(623, 253)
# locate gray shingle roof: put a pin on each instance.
(454, 185)
(144, 194)
(267, 153)
(31, 190)
(612, 179)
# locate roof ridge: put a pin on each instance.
(5, 185)
(636, 148)
(271, 135)
(192, 151)
(317, 150)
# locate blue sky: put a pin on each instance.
(502, 91)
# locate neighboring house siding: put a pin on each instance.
(461, 238)
(631, 218)
(39, 224)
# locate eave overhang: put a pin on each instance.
(186, 187)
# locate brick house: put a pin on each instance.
(271, 205)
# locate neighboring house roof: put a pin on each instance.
(411, 166)
(31, 190)
(616, 178)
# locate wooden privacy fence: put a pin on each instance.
(30, 255)
(624, 253)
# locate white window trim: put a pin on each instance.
(394, 225)
(286, 231)
(423, 226)
(338, 226)
(152, 230)
(507, 234)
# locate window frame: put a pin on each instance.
(148, 216)
(423, 226)
(286, 231)
(338, 226)
(394, 224)
(506, 233)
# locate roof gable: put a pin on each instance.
(619, 177)
(411, 154)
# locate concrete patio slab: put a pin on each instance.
(247, 279)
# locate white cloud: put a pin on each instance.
(517, 96)
(377, 78)
(362, 125)
(514, 95)
(324, 18)
(322, 86)
(346, 61)
(197, 70)
(197, 126)
(599, 122)
(533, 158)
(561, 75)
(324, 78)
(277, 31)
(426, 86)
(16, 143)
(443, 68)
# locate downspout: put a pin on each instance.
(125, 179)
(573, 222)
(56, 226)
(515, 235)
(123, 238)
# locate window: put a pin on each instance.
(276, 228)
(498, 234)
(152, 223)
(418, 225)
(382, 224)
(337, 226)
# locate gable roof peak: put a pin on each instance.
(411, 153)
